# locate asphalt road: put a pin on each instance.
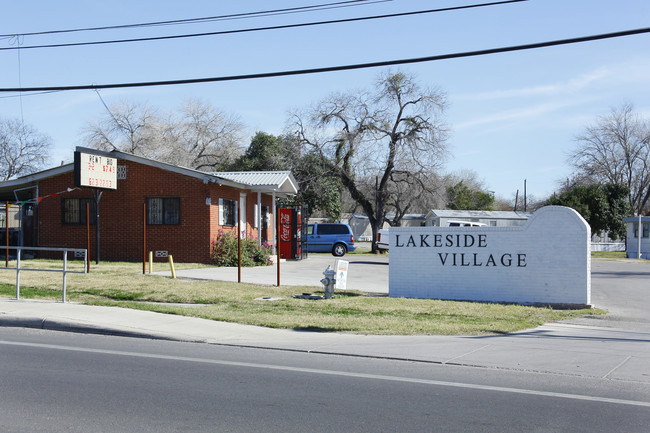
(60, 382)
(622, 287)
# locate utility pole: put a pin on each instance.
(525, 197)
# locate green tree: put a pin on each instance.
(268, 152)
(462, 197)
(603, 206)
(316, 189)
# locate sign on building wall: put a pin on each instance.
(95, 169)
(547, 260)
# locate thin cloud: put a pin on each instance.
(573, 85)
(633, 71)
(517, 114)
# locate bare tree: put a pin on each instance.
(199, 136)
(616, 149)
(207, 138)
(24, 149)
(392, 135)
(129, 127)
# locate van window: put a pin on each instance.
(332, 229)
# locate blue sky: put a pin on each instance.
(513, 116)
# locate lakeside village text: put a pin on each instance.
(461, 241)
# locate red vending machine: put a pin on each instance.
(290, 233)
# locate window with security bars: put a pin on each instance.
(227, 212)
(74, 211)
(163, 210)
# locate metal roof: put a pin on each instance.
(279, 181)
(408, 216)
(491, 214)
(635, 219)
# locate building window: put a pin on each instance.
(493, 223)
(163, 210)
(227, 212)
(74, 210)
(646, 230)
(266, 218)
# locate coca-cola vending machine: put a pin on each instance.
(290, 233)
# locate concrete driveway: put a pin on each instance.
(365, 273)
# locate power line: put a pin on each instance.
(30, 94)
(257, 29)
(317, 7)
(338, 68)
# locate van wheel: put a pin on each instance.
(339, 250)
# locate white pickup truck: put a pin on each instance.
(382, 235)
(382, 239)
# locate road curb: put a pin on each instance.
(67, 326)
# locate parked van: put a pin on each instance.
(330, 237)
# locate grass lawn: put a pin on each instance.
(124, 285)
(608, 254)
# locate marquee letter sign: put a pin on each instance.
(547, 260)
(95, 169)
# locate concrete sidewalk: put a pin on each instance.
(560, 348)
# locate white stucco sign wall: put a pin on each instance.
(547, 260)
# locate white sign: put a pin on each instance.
(95, 170)
(547, 260)
(341, 274)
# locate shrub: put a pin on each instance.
(224, 251)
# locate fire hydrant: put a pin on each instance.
(329, 281)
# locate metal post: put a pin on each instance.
(98, 196)
(639, 232)
(65, 270)
(258, 218)
(144, 238)
(87, 234)
(7, 232)
(18, 251)
(239, 250)
(277, 240)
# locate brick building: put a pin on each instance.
(181, 210)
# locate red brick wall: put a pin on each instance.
(252, 232)
(121, 215)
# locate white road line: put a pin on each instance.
(336, 373)
(617, 367)
(465, 354)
